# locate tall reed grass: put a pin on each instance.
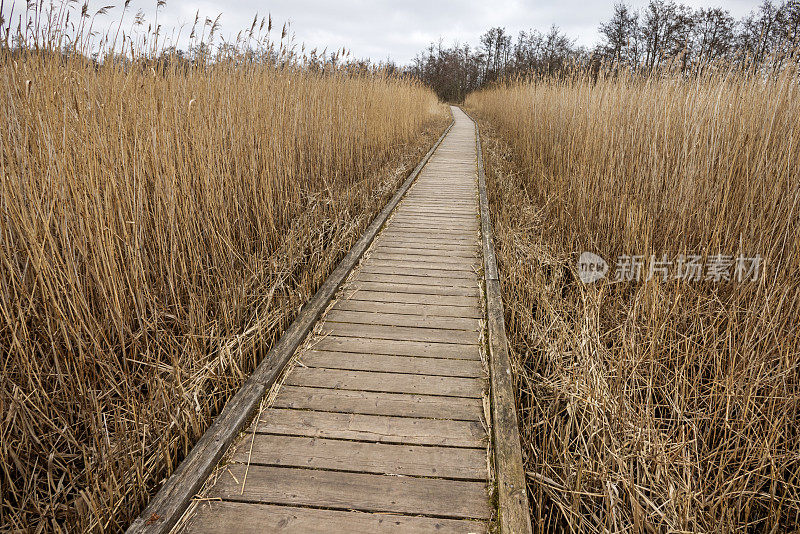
(160, 223)
(658, 405)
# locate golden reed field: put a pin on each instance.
(658, 405)
(165, 214)
(160, 224)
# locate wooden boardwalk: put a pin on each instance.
(380, 427)
(380, 423)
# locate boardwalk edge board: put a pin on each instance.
(168, 505)
(513, 508)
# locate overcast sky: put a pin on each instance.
(382, 29)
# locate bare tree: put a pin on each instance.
(621, 35)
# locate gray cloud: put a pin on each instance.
(398, 30)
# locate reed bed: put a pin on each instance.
(161, 222)
(658, 405)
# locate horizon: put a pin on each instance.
(375, 31)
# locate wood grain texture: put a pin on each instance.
(385, 363)
(363, 457)
(447, 386)
(403, 319)
(412, 280)
(364, 492)
(215, 517)
(376, 403)
(398, 333)
(395, 347)
(373, 304)
(373, 428)
(418, 289)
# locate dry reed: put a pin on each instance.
(657, 406)
(160, 224)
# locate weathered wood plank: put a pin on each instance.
(459, 226)
(215, 517)
(460, 236)
(386, 363)
(464, 265)
(415, 280)
(398, 347)
(362, 457)
(375, 268)
(430, 238)
(470, 293)
(443, 246)
(374, 428)
(398, 319)
(421, 211)
(398, 333)
(412, 308)
(414, 251)
(458, 221)
(370, 403)
(354, 491)
(453, 229)
(386, 382)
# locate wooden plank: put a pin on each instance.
(423, 297)
(371, 403)
(452, 230)
(422, 226)
(398, 347)
(417, 201)
(416, 280)
(513, 507)
(426, 223)
(439, 233)
(446, 192)
(431, 237)
(417, 207)
(471, 294)
(411, 242)
(413, 218)
(359, 303)
(167, 506)
(444, 228)
(215, 517)
(363, 457)
(386, 382)
(397, 319)
(427, 211)
(399, 333)
(373, 268)
(373, 428)
(413, 252)
(385, 363)
(465, 265)
(353, 491)
(466, 218)
(461, 192)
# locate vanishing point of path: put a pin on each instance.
(380, 425)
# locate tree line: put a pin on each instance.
(662, 33)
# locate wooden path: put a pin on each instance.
(380, 425)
